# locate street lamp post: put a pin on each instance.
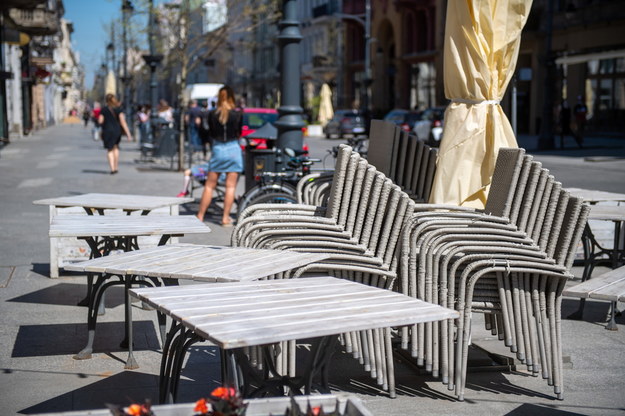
(290, 122)
(127, 9)
(152, 60)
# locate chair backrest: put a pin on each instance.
(542, 193)
(504, 181)
(398, 174)
(348, 194)
(348, 215)
(426, 174)
(314, 189)
(338, 180)
(361, 210)
(527, 202)
(570, 224)
(382, 136)
(520, 188)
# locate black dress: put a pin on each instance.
(111, 129)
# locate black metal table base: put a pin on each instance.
(239, 372)
(593, 256)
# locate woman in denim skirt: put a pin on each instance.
(224, 129)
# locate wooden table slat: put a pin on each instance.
(202, 263)
(243, 314)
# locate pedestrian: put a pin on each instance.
(193, 120)
(143, 119)
(86, 114)
(565, 123)
(581, 112)
(95, 117)
(113, 122)
(165, 112)
(224, 128)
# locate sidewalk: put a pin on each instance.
(42, 328)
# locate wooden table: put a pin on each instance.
(63, 251)
(594, 196)
(169, 263)
(593, 251)
(245, 314)
(107, 233)
(200, 263)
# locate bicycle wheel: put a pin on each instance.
(275, 198)
(257, 191)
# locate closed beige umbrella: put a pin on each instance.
(111, 85)
(325, 105)
(481, 48)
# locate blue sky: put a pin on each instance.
(90, 19)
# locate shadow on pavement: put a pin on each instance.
(68, 339)
(69, 294)
(136, 388)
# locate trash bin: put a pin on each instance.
(256, 162)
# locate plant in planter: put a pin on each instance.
(144, 409)
(223, 401)
(295, 410)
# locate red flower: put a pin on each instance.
(224, 393)
(135, 410)
(201, 406)
(316, 410)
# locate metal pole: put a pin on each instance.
(545, 140)
(514, 106)
(368, 79)
(153, 63)
(126, 9)
(290, 122)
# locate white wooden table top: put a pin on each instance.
(114, 201)
(607, 212)
(234, 315)
(124, 225)
(608, 286)
(591, 195)
(199, 262)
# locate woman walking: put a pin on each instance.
(113, 123)
(224, 130)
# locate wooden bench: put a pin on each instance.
(609, 286)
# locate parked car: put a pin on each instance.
(346, 123)
(403, 118)
(429, 127)
(259, 122)
(253, 119)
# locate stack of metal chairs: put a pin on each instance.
(509, 261)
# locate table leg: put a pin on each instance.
(589, 243)
(177, 344)
(253, 383)
(95, 298)
(131, 363)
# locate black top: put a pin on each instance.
(224, 133)
(111, 127)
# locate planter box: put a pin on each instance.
(276, 406)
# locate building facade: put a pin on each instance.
(41, 80)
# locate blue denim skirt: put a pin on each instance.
(226, 157)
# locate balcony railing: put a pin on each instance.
(38, 21)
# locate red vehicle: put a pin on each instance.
(253, 119)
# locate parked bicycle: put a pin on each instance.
(278, 187)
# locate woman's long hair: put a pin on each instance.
(225, 103)
(111, 100)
